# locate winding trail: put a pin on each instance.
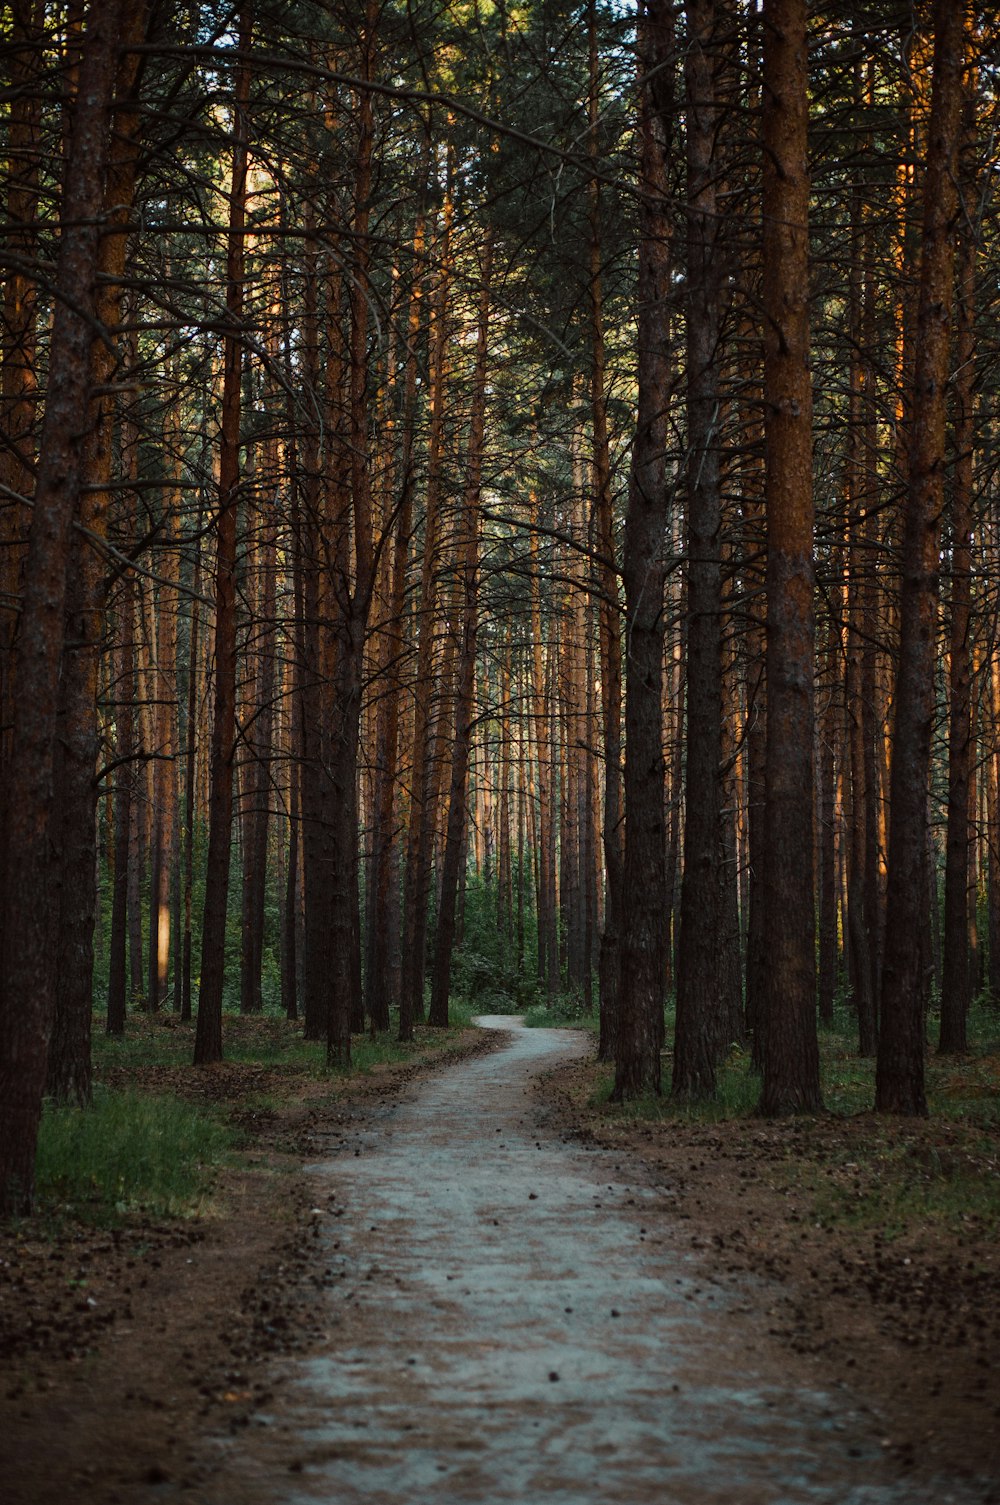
(514, 1320)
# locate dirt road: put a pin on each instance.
(513, 1319)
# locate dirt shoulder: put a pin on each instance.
(903, 1315)
(125, 1353)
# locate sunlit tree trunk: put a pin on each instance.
(609, 613)
(465, 699)
(899, 1086)
(164, 814)
(385, 843)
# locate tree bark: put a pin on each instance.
(123, 684)
(700, 1030)
(31, 892)
(208, 1036)
(609, 611)
(959, 977)
(790, 1050)
(465, 699)
(639, 1037)
(417, 873)
(18, 381)
(899, 1082)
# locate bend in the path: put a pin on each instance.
(513, 1320)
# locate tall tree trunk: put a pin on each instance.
(991, 776)
(75, 787)
(545, 911)
(190, 774)
(208, 1037)
(639, 1037)
(30, 897)
(959, 979)
(123, 696)
(165, 746)
(18, 381)
(355, 604)
(258, 738)
(700, 1030)
(385, 844)
(417, 872)
(609, 608)
(465, 699)
(899, 1082)
(790, 1053)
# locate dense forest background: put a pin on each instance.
(507, 487)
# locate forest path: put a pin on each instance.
(514, 1319)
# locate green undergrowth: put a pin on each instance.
(162, 1041)
(160, 1129)
(896, 1177)
(855, 1168)
(565, 1011)
(129, 1153)
(960, 1088)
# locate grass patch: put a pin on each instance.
(895, 1180)
(162, 1040)
(566, 1011)
(129, 1153)
(738, 1088)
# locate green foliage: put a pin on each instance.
(128, 1153)
(565, 1011)
(893, 1183)
(485, 973)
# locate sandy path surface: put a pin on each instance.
(513, 1319)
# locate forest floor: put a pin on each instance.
(125, 1351)
(877, 1242)
(122, 1349)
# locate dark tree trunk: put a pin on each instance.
(75, 788)
(827, 834)
(346, 1003)
(899, 1083)
(190, 764)
(639, 1037)
(417, 871)
(123, 695)
(959, 979)
(258, 741)
(18, 382)
(31, 895)
(208, 1037)
(790, 1050)
(700, 1031)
